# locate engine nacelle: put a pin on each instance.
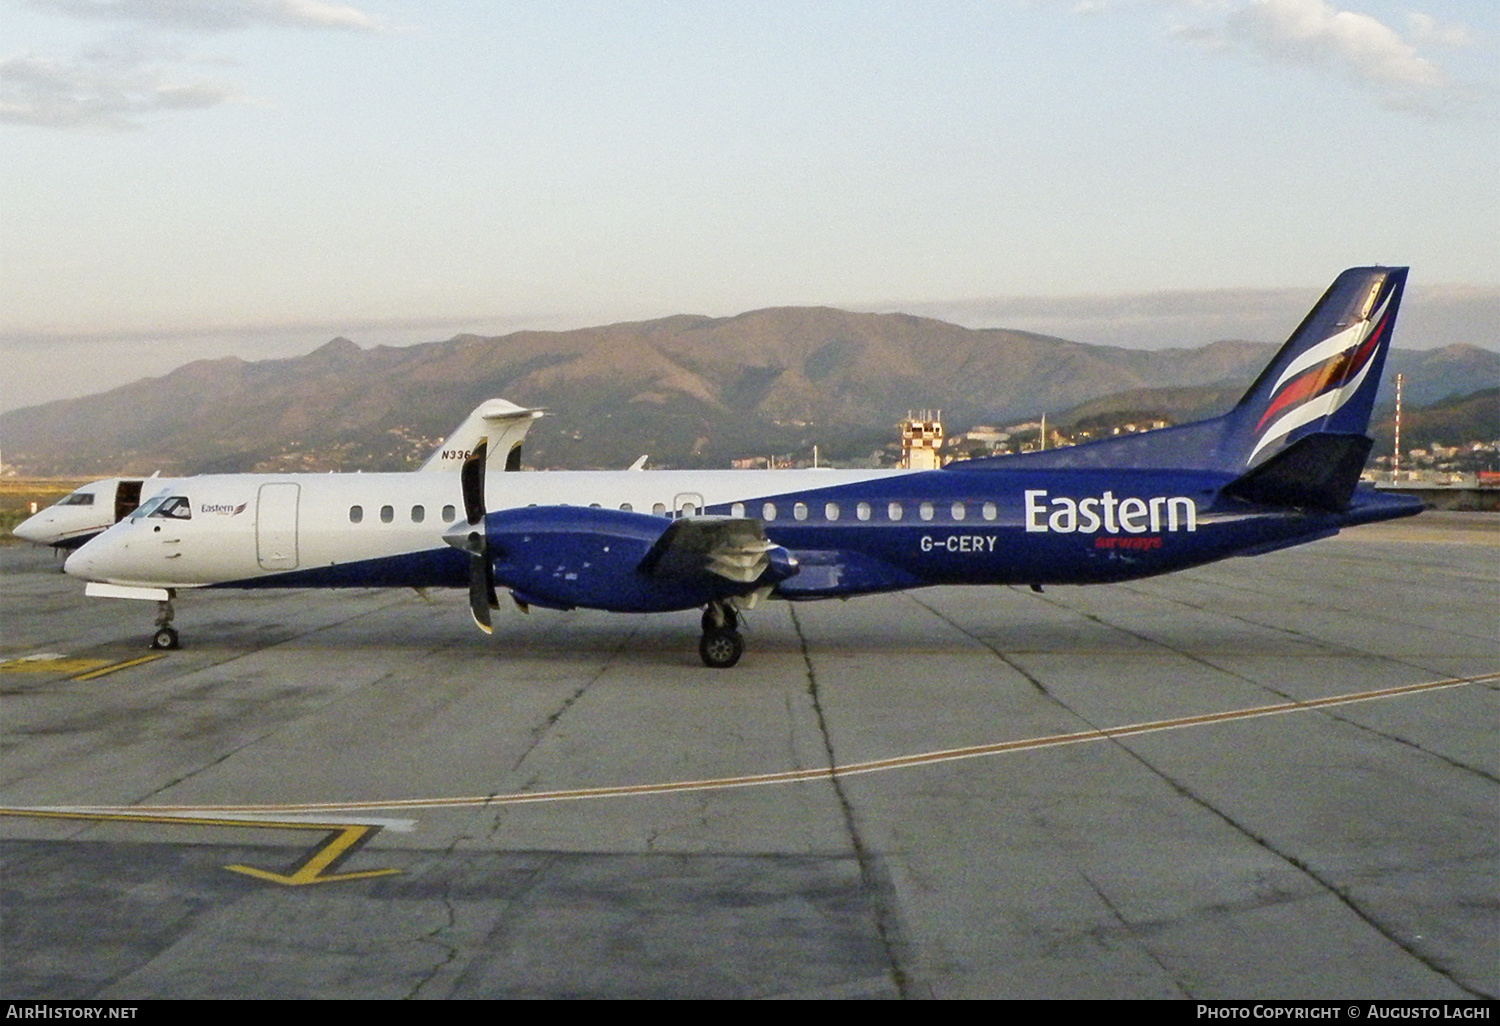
(567, 556)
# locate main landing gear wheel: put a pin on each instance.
(717, 616)
(721, 648)
(165, 637)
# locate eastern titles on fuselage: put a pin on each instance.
(1130, 515)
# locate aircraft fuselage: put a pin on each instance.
(851, 531)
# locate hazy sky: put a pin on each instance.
(188, 178)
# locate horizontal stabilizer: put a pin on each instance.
(1318, 471)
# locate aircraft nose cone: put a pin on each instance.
(82, 563)
(31, 529)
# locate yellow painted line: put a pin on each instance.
(49, 664)
(829, 772)
(316, 869)
(81, 669)
(342, 840)
(116, 667)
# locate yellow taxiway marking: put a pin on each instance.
(829, 772)
(48, 662)
(315, 870)
(342, 840)
(82, 669)
(115, 667)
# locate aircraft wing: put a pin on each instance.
(567, 556)
(734, 549)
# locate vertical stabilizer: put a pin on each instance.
(1324, 380)
(1321, 382)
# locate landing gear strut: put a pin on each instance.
(166, 634)
(721, 645)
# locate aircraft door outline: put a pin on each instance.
(127, 498)
(276, 525)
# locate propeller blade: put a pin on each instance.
(471, 476)
(481, 588)
(482, 597)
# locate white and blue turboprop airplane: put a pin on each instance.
(87, 511)
(1279, 469)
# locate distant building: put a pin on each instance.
(921, 441)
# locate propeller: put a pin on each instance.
(482, 596)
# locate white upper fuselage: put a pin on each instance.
(247, 526)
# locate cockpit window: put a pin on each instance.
(77, 499)
(149, 507)
(173, 507)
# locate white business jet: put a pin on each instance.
(87, 511)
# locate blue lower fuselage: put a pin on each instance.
(955, 526)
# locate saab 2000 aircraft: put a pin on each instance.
(1279, 469)
(87, 511)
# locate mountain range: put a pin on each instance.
(687, 390)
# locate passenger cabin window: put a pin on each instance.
(737, 510)
(418, 514)
(862, 511)
(356, 514)
(989, 511)
(831, 511)
(768, 511)
(799, 511)
(925, 511)
(176, 507)
(958, 511)
(450, 514)
(659, 508)
(688, 509)
(893, 511)
(387, 514)
(627, 507)
(77, 499)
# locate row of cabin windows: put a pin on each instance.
(832, 511)
(894, 511)
(388, 514)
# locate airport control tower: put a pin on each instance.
(922, 441)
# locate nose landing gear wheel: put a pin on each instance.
(721, 648)
(166, 634)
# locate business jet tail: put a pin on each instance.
(503, 424)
